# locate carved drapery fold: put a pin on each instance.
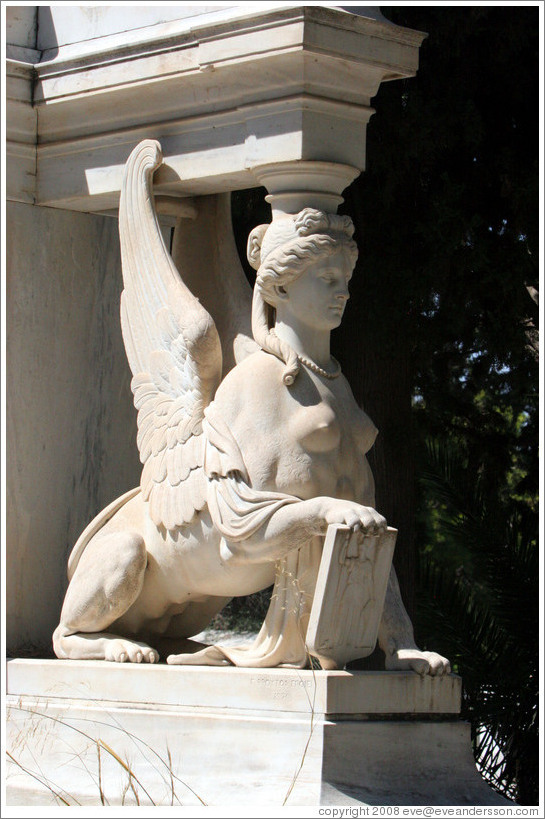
(239, 512)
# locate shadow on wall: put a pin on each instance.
(366, 11)
(46, 36)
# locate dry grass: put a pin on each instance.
(133, 782)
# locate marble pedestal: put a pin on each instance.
(88, 731)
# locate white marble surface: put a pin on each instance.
(226, 91)
(279, 690)
(21, 132)
(275, 750)
(349, 597)
(61, 25)
(66, 372)
(21, 26)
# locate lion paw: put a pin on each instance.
(423, 662)
(119, 650)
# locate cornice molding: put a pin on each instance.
(21, 129)
(222, 96)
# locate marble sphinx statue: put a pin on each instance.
(244, 467)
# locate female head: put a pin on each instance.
(281, 252)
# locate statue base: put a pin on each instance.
(92, 733)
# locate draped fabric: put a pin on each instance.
(239, 512)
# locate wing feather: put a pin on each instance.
(173, 350)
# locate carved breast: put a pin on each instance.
(317, 428)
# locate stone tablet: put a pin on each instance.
(349, 595)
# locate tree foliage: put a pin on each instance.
(479, 606)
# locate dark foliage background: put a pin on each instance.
(439, 344)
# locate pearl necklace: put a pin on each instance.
(320, 370)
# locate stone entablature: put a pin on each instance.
(225, 93)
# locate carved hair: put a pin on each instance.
(281, 252)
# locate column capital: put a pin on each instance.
(296, 185)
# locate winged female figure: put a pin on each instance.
(241, 476)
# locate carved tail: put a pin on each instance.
(95, 526)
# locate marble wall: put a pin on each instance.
(71, 425)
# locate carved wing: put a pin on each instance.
(173, 349)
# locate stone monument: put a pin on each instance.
(253, 447)
(241, 478)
